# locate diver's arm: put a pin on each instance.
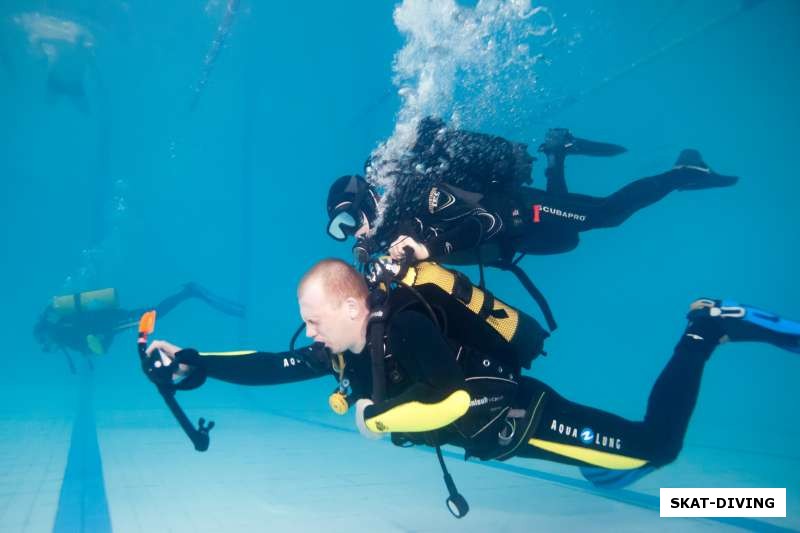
(469, 232)
(258, 368)
(455, 221)
(188, 368)
(437, 396)
(405, 414)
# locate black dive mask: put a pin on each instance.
(345, 222)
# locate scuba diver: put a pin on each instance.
(465, 198)
(87, 322)
(434, 360)
(69, 49)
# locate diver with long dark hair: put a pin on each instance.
(463, 197)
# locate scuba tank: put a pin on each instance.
(69, 304)
(470, 314)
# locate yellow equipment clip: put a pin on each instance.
(338, 403)
(338, 400)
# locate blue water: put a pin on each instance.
(138, 192)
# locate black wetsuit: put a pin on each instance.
(509, 414)
(462, 191)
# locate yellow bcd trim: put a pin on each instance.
(593, 457)
(228, 354)
(413, 417)
(430, 273)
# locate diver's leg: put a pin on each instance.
(70, 362)
(539, 223)
(689, 173)
(171, 302)
(193, 290)
(556, 181)
(558, 144)
(613, 451)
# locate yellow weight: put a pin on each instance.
(338, 403)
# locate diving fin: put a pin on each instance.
(699, 175)
(614, 479)
(561, 141)
(745, 323)
(594, 148)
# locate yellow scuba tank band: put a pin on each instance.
(85, 301)
(608, 460)
(415, 416)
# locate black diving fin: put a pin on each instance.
(560, 140)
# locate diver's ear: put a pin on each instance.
(351, 307)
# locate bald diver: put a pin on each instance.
(414, 372)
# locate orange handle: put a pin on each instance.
(147, 323)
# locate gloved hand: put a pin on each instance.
(167, 367)
(398, 251)
(362, 404)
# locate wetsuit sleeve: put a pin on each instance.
(436, 397)
(455, 221)
(259, 368)
(468, 233)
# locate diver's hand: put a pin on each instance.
(397, 249)
(166, 352)
(362, 404)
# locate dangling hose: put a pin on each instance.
(158, 373)
(456, 503)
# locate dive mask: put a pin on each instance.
(345, 222)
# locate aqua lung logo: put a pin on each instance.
(538, 209)
(586, 435)
(484, 400)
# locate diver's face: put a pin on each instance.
(337, 325)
